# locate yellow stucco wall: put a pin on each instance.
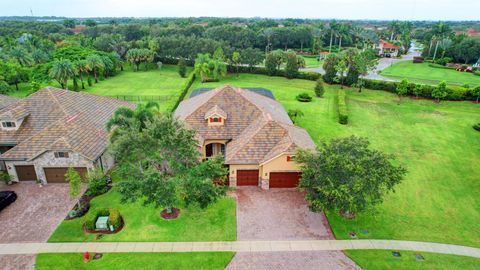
(279, 164)
(234, 168)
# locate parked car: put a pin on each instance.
(6, 198)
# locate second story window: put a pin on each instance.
(61, 154)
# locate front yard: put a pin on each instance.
(144, 224)
(146, 261)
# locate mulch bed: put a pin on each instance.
(122, 224)
(175, 213)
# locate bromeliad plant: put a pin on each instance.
(160, 164)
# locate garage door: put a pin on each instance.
(284, 179)
(57, 175)
(26, 172)
(247, 177)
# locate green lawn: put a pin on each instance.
(143, 223)
(146, 261)
(311, 61)
(162, 85)
(423, 73)
(383, 260)
(438, 200)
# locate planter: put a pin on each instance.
(173, 215)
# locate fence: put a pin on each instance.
(144, 98)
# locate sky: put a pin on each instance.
(323, 9)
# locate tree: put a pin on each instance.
(270, 64)
(62, 70)
(251, 57)
(161, 165)
(75, 182)
(21, 56)
(90, 23)
(209, 69)
(82, 67)
(182, 67)
(295, 114)
(219, 54)
(341, 69)
(138, 56)
(440, 92)
(236, 57)
(346, 175)
(126, 118)
(402, 89)
(476, 92)
(13, 73)
(69, 23)
(329, 67)
(291, 68)
(95, 64)
(4, 88)
(319, 88)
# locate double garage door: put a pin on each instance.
(277, 179)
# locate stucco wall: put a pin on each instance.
(48, 159)
(279, 164)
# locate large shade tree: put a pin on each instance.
(346, 175)
(161, 165)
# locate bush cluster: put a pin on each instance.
(453, 92)
(114, 218)
(304, 97)
(342, 107)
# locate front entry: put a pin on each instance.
(284, 179)
(57, 175)
(247, 177)
(26, 173)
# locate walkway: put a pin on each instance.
(237, 246)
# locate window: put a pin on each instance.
(8, 124)
(61, 154)
(290, 158)
(215, 119)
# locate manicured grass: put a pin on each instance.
(421, 72)
(438, 200)
(163, 85)
(143, 223)
(383, 260)
(146, 261)
(311, 61)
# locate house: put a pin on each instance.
(251, 129)
(44, 134)
(387, 49)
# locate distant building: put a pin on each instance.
(78, 28)
(387, 49)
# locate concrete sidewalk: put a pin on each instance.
(237, 246)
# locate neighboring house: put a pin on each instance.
(388, 49)
(44, 134)
(251, 129)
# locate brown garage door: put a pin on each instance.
(26, 172)
(247, 177)
(284, 179)
(57, 175)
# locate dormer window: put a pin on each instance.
(61, 154)
(9, 125)
(215, 116)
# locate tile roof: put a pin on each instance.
(6, 101)
(258, 126)
(60, 120)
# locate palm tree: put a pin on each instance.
(95, 63)
(441, 31)
(125, 118)
(82, 67)
(21, 56)
(393, 26)
(62, 70)
(332, 26)
(342, 32)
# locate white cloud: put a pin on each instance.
(344, 9)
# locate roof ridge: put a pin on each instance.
(250, 135)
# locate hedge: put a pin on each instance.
(453, 92)
(342, 107)
(185, 88)
(304, 75)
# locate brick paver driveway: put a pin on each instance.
(277, 214)
(282, 214)
(32, 218)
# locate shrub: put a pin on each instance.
(114, 218)
(443, 61)
(342, 108)
(476, 126)
(92, 217)
(319, 88)
(89, 81)
(291, 68)
(304, 97)
(418, 59)
(4, 87)
(96, 183)
(182, 68)
(295, 114)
